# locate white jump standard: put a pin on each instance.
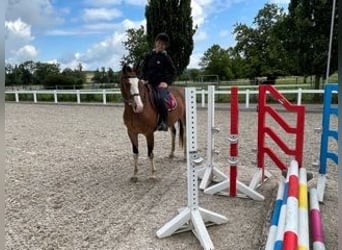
(192, 217)
(211, 173)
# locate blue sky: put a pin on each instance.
(91, 31)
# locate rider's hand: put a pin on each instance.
(162, 85)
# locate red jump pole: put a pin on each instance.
(234, 131)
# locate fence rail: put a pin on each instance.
(199, 92)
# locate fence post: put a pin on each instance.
(299, 96)
(104, 96)
(16, 96)
(78, 96)
(247, 98)
(203, 98)
(35, 96)
(55, 96)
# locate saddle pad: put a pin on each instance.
(170, 102)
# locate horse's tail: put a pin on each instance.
(181, 132)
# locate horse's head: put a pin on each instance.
(129, 84)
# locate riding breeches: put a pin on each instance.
(161, 95)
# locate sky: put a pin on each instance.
(91, 32)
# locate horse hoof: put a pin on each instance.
(134, 179)
(171, 155)
(153, 178)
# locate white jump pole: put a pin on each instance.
(211, 173)
(192, 218)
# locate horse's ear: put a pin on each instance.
(125, 68)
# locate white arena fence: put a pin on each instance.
(203, 93)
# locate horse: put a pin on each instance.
(141, 117)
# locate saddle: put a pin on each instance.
(170, 100)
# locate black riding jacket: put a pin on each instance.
(158, 67)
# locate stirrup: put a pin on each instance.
(162, 127)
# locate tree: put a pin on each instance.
(308, 28)
(216, 61)
(260, 46)
(43, 70)
(13, 75)
(97, 76)
(54, 80)
(174, 18)
(136, 44)
(110, 75)
(77, 75)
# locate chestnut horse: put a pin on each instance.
(141, 117)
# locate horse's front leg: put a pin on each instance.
(134, 141)
(150, 146)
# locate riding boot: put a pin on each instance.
(163, 112)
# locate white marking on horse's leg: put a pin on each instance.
(153, 167)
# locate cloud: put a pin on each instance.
(28, 52)
(200, 35)
(107, 52)
(195, 58)
(17, 41)
(100, 14)
(136, 2)
(115, 2)
(76, 32)
(225, 33)
(41, 14)
(102, 2)
(18, 30)
(198, 13)
(280, 2)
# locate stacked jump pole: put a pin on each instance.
(192, 217)
(263, 130)
(231, 182)
(327, 132)
(295, 221)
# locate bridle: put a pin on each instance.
(130, 101)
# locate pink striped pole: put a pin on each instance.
(317, 235)
(303, 227)
(291, 224)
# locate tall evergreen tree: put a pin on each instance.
(174, 18)
(308, 29)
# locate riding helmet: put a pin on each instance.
(163, 37)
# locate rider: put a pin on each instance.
(159, 71)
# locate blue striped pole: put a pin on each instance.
(275, 216)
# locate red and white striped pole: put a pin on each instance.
(291, 225)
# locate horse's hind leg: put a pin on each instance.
(150, 146)
(173, 141)
(134, 141)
